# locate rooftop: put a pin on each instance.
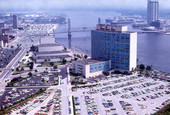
(53, 57)
(109, 31)
(49, 45)
(53, 52)
(90, 61)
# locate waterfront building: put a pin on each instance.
(157, 24)
(115, 43)
(91, 68)
(48, 47)
(52, 52)
(152, 11)
(15, 22)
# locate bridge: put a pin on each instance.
(76, 29)
(88, 29)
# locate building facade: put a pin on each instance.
(15, 22)
(50, 47)
(152, 11)
(52, 52)
(91, 68)
(115, 43)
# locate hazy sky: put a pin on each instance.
(68, 4)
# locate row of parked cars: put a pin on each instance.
(36, 102)
(16, 95)
(109, 107)
(113, 87)
(37, 80)
(127, 107)
(157, 91)
(120, 79)
(91, 106)
(53, 106)
(77, 105)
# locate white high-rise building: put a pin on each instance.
(115, 43)
(152, 11)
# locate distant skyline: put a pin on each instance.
(77, 4)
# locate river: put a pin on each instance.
(153, 48)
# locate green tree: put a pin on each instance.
(142, 66)
(30, 74)
(17, 69)
(51, 63)
(31, 65)
(22, 69)
(64, 61)
(148, 68)
(36, 70)
(85, 56)
(55, 67)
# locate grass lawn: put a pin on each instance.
(47, 64)
(24, 65)
(20, 72)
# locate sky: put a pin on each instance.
(78, 4)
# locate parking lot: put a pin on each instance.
(13, 95)
(115, 95)
(125, 95)
(43, 79)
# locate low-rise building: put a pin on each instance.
(4, 39)
(52, 52)
(55, 58)
(50, 47)
(91, 68)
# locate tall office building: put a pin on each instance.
(115, 43)
(15, 22)
(152, 11)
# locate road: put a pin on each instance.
(24, 38)
(12, 65)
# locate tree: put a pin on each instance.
(142, 66)
(125, 73)
(64, 61)
(32, 58)
(30, 74)
(17, 69)
(55, 67)
(33, 48)
(22, 69)
(65, 48)
(36, 70)
(31, 65)
(51, 63)
(106, 73)
(148, 68)
(45, 60)
(75, 59)
(85, 56)
(117, 72)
